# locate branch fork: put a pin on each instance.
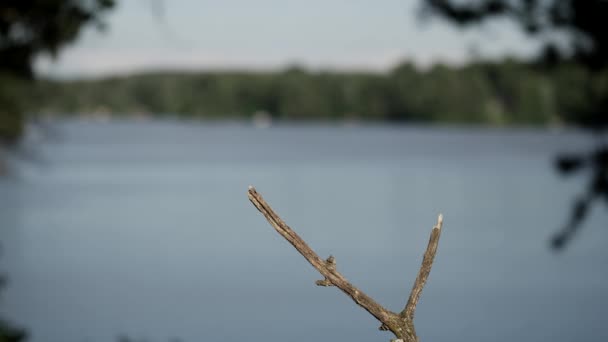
(400, 324)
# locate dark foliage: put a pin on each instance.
(29, 28)
(582, 22)
(597, 162)
(9, 332)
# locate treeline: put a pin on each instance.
(497, 93)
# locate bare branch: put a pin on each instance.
(326, 268)
(402, 324)
(425, 270)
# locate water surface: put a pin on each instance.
(144, 229)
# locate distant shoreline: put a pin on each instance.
(504, 93)
(73, 118)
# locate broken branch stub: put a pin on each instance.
(402, 324)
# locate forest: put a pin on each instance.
(506, 92)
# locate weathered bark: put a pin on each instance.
(401, 324)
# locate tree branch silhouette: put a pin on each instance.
(586, 44)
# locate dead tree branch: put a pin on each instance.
(402, 324)
(425, 270)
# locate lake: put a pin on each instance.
(144, 229)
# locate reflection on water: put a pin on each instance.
(144, 229)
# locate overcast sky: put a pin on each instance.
(267, 34)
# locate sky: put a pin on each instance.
(270, 34)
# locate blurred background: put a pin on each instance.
(130, 130)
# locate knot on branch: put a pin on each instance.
(330, 265)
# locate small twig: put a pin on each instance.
(330, 263)
(425, 270)
(400, 324)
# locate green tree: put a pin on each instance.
(29, 28)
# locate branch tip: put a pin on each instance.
(439, 221)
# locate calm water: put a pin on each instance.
(144, 229)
